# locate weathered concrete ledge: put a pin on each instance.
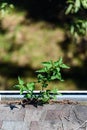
(46, 117)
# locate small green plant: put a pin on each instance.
(50, 71)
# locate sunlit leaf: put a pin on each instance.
(68, 10)
(31, 86)
(60, 61)
(77, 5)
(21, 82)
(64, 66)
(28, 96)
(84, 3)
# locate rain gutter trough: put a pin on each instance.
(65, 95)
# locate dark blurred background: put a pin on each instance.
(34, 32)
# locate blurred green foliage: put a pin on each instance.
(79, 23)
(5, 8)
(35, 31)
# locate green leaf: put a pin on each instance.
(4, 5)
(54, 72)
(64, 66)
(84, 3)
(40, 77)
(83, 24)
(21, 90)
(45, 98)
(53, 77)
(11, 6)
(24, 88)
(77, 5)
(69, 9)
(30, 86)
(21, 82)
(58, 76)
(56, 63)
(28, 95)
(47, 64)
(72, 29)
(54, 90)
(41, 70)
(2, 12)
(58, 70)
(60, 61)
(17, 86)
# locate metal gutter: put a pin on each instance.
(72, 95)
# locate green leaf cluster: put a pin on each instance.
(28, 87)
(79, 27)
(79, 24)
(51, 71)
(75, 5)
(5, 8)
